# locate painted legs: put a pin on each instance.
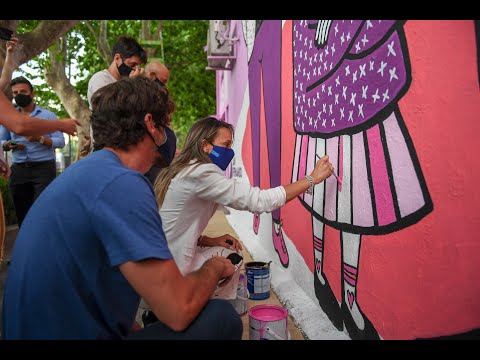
(349, 313)
(264, 75)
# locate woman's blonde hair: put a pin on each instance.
(201, 130)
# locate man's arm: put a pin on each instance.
(175, 299)
(26, 125)
(8, 66)
(55, 140)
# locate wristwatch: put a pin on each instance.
(41, 140)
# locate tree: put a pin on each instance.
(192, 86)
(35, 37)
(84, 48)
(37, 40)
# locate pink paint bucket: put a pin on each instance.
(268, 322)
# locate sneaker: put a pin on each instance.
(148, 318)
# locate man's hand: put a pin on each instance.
(11, 45)
(137, 71)
(68, 126)
(86, 146)
(33, 138)
(228, 269)
(10, 145)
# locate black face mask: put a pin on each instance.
(23, 100)
(124, 70)
(161, 83)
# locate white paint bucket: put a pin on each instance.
(268, 322)
(240, 302)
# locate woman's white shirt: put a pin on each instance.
(193, 197)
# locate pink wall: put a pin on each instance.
(417, 281)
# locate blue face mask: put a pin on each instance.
(221, 156)
(167, 148)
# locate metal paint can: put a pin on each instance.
(268, 322)
(258, 279)
(240, 302)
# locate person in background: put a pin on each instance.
(93, 243)
(6, 76)
(158, 72)
(191, 188)
(34, 166)
(127, 56)
(19, 122)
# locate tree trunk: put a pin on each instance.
(102, 41)
(36, 41)
(56, 77)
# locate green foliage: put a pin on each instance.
(192, 87)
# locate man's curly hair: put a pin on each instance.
(119, 109)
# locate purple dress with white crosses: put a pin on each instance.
(348, 78)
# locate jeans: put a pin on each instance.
(217, 321)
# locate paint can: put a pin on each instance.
(268, 322)
(258, 279)
(240, 302)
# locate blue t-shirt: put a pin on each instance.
(63, 281)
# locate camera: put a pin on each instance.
(5, 33)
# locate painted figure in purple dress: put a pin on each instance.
(263, 39)
(348, 78)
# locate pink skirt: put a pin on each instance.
(383, 188)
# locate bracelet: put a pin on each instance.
(310, 188)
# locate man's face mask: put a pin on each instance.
(159, 82)
(124, 70)
(23, 100)
(221, 156)
(169, 147)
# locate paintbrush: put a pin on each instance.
(333, 171)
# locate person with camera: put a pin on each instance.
(127, 56)
(34, 166)
(19, 122)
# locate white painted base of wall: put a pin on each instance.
(293, 286)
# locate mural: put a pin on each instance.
(263, 39)
(349, 76)
(477, 33)
(385, 250)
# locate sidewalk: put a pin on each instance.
(218, 226)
